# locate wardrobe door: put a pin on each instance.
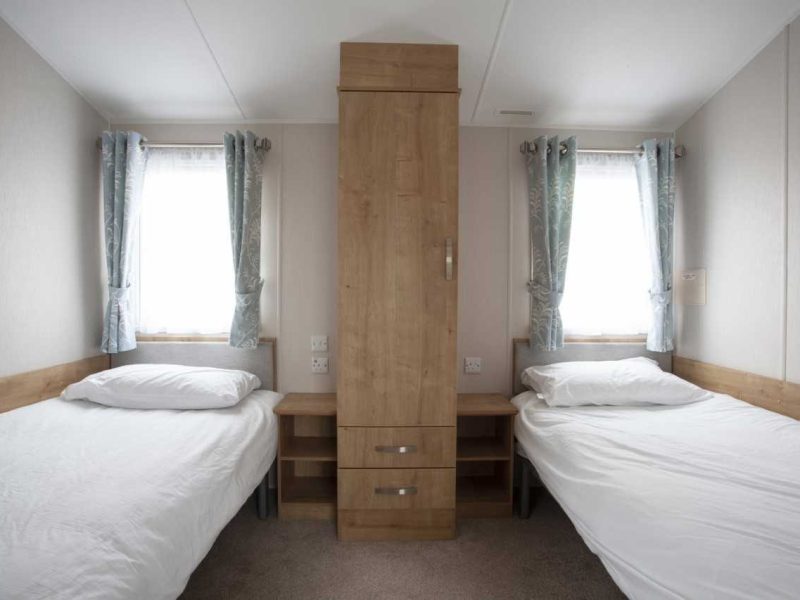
(398, 227)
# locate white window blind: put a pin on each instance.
(608, 277)
(185, 266)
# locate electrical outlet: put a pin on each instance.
(319, 364)
(472, 364)
(319, 343)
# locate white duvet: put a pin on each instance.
(111, 503)
(695, 501)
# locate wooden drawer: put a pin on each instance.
(396, 488)
(393, 447)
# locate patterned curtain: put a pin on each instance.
(655, 170)
(551, 180)
(243, 164)
(123, 163)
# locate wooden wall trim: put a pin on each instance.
(33, 386)
(773, 394)
(191, 337)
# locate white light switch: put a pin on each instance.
(319, 343)
(319, 364)
(692, 287)
(472, 364)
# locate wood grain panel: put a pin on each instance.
(482, 405)
(435, 488)
(773, 394)
(313, 404)
(420, 524)
(33, 386)
(306, 456)
(398, 67)
(398, 203)
(432, 447)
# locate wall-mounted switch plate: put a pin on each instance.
(319, 343)
(319, 364)
(691, 286)
(472, 365)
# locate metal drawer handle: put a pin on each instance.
(396, 491)
(396, 449)
(448, 259)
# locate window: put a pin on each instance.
(185, 265)
(608, 275)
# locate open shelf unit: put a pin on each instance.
(307, 456)
(484, 455)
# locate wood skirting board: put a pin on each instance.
(773, 394)
(33, 386)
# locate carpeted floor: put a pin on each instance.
(542, 557)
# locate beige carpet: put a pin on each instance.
(491, 558)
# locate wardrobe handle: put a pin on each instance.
(448, 259)
(396, 449)
(396, 491)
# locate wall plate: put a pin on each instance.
(472, 365)
(319, 343)
(691, 284)
(319, 364)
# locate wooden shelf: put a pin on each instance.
(481, 488)
(481, 448)
(484, 405)
(310, 490)
(315, 405)
(307, 456)
(484, 455)
(309, 448)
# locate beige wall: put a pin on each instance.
(732, 218)
(50, 283)
(299, 254)
(793, 207)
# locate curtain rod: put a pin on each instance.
(265, 144)
(530, 147)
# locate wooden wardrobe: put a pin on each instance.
(397, 241)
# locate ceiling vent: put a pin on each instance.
(507, 112)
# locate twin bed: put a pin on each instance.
(699, 500)
(101, 502)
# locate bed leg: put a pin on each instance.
(525, 491)
(262, 496)
(272, 494)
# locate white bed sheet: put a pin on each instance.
(99, 502)
(695, 501)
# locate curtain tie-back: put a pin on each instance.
(246, 299)
(661, 298)
(544, 293)
(244, 329)
(119, 294)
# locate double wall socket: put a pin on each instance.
(319, 364)
(472, 364)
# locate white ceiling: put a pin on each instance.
(618, 64)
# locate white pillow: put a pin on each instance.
(630, 382)
(164, 386)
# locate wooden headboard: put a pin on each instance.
(525, 357)
(33, 386)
